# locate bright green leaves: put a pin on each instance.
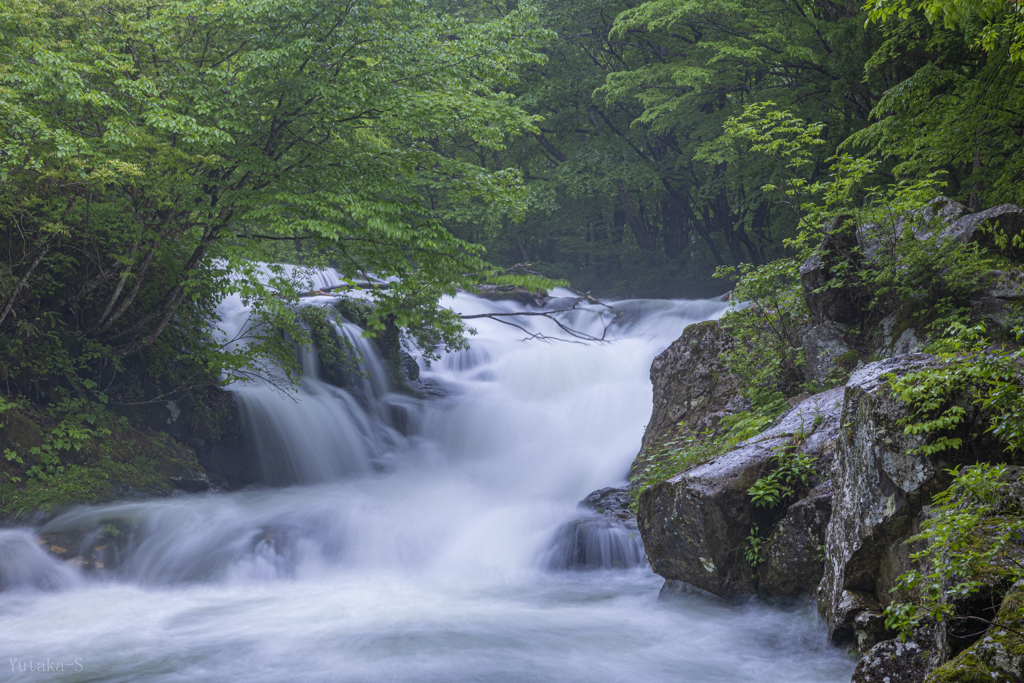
(973, 537)
(973, 373)
(157, 151)
(951, 12)
(793, 469)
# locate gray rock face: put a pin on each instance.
(794, 554)
(895, 341)
(945, 209)
(695, 525)
(895, 661)
(880, 488)
(691, 385)
(997, 305)
(982, 227)
(826, 350)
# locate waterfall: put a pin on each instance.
(450, 547)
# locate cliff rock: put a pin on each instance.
(695, 525)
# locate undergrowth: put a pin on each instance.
(974, 533)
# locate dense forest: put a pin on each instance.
(153, 156)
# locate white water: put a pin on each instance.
(408, 558)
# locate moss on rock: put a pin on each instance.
(121, 461)
(998, 656)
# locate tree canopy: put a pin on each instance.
(153, 156)
(155, 153)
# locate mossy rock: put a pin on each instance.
(848, 361)
(128, 462)
(354, 310)
(388, 341)
(998, 656)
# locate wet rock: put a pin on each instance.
(191, 480)
(429, 389)
(794, 552)
(612, 502)
(869, 628)
(896, 338)
(511, 293)
(693, 390)
(896, 661)
(880, 487)
(603, 537)
(207, 422)
(410, 368)
(695, 525)
(90, 544)
(998, 656)
(827, 352)
(984, 227)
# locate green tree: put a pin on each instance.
(152, 154)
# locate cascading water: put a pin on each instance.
(438, 551)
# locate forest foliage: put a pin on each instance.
(154, 155)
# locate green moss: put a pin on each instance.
(965, 668)
(848, 361)
(986, 660)
(126, 458)
(354, 310)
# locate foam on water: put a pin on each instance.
(428, 553)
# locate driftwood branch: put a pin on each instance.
(322, 291)
(550, 315)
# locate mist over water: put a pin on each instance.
(411, 540)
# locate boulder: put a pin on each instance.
(693, 390)
(612, 502)
(828, 354)
(998, 656)
(939, 213)
(603, 536)
(880, 487)
(987, 227)
(794, 552)
(90, 542)
(944, 209)
(898, 661)
(998, 305)
(206, 421)
(695, 525)
(896, 337)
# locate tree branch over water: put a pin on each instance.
(550, 315)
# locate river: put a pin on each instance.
(428, 555)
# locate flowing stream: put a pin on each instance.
(409, 539)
